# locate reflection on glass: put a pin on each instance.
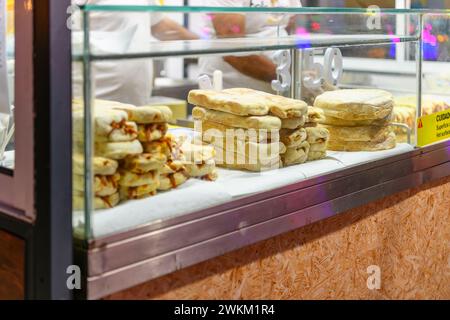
(7, 84)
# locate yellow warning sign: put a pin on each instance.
(433, 128)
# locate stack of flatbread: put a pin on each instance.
(246, 127)
(317, 136)
(358, 120)
(200, 161)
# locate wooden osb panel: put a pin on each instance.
(407, 235)
(12, 267)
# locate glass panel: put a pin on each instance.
(436, 68)
(282, 31)
(279, 53)
(7, 84)
(117, 7)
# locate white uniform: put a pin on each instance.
(257, 25)
(127, 81)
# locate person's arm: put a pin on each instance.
(255, 66)
(167, 30)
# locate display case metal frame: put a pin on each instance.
(117, 262)
(35, 198)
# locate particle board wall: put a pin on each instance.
(12, 267)
(406, 235)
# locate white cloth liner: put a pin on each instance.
(197, 195)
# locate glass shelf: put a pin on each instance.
(304, 10)
(242, 45)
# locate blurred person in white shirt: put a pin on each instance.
(255, 71)
(127, 81)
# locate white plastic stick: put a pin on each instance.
(218, 80)
(204, 83)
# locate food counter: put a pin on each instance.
(321, 178)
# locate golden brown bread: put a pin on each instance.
(315, 115)
(293, 123)
(211, 130)
(130, 179)
(317, 135)
(359, 134)
(143, 163)
(100, 166)
(139, 192)
(202, 169)
(152, 132)
(356, 104)
(388, 143)
(331, 121)
(172, 181)
(279, 106)
(253, 122)
(146, 114)
(100, 203)
(118, 150)
(293, 138)
(319, 147)
(241, 105)
(316, 155)
(103, 185)
(297, 155)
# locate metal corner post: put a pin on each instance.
(52, 234)
(419, 61)
(88, 134)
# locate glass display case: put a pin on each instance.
(274, 100)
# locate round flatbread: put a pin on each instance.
(388, 143)
(359, 134)
(356, 104)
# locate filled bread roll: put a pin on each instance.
(118, 150)
(147, 114)
(143, 163)
(152, 132)
(316, 155)
(293, 123)
(297, 155)
(317, 135)
(172, 181)
(129, 179)
(293, 138)
(100, 166)
(100, 203)
(139, 192)
(102, 185)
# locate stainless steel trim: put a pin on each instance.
(121, 261)
(418, 164)
(113, 255)
(146, 270)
